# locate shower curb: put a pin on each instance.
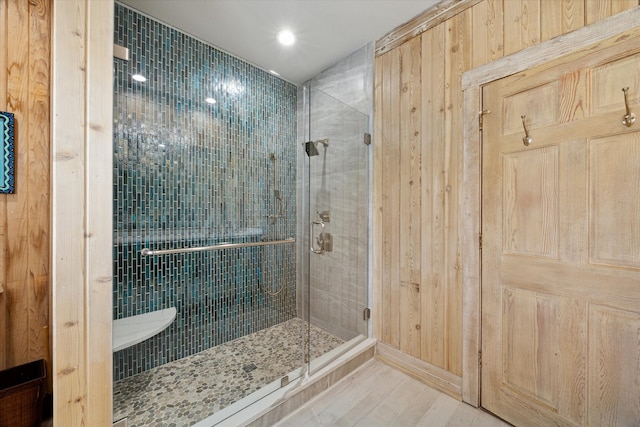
(329, 376)
(279, 404)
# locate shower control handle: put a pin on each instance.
(320, 249)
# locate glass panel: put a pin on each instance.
(338, 176)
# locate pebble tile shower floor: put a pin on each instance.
(188, 390)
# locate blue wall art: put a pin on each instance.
(6, 153)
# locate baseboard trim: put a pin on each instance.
(431, 375)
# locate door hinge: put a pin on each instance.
(367, 138)
(480, 240)
(284, 381)
(366, 314)
(480, 358)
(481, 117)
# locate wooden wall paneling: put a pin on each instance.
(410, 195)
(488, 24)
(430, 18)
(17, 293)
(450, 223)
(458, 43)
(560, 17)
(99, 228)
(391, 200)
(378, 206)
(385, 277)
(433, 125)
(621, 6)
(4, 41)
(37, 280)
(24, 90)
(597, 10)
(480, 25)
(24, 215)
(521, 24)
(392, 181)
(3, 197)
(560, 46)
(470, 229)
(81, 234)
(68, 258)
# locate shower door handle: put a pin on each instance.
(319, 240)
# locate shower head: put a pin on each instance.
(311, 147)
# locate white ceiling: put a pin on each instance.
(326, 30)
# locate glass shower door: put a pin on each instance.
(338, 210)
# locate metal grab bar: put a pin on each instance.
(149, 252)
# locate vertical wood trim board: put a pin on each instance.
(433, 119)
(4, 35)
(410, 195)
(391, 188)
(17, 208)
(445, 298)
(99, 219)
(81, 212)
(378, 204)
(39, 172)
(24, 216)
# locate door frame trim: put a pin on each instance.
(470, 194)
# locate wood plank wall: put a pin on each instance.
(418, 154)
(25, 52)
(82, 99)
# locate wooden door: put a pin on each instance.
(561, 242)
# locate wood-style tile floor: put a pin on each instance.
(378, 395)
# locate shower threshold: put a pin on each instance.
(191, 389)
(274, 402)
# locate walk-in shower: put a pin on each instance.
(211, 206)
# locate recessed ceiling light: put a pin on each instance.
(210, 101)
(275, 73)
(139, 78)
(286, 37)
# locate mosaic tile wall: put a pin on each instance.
(188, 173)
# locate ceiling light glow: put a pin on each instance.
(275, 73)
(233, 87)
(139, 78)
(210, 100)
(286, 37)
